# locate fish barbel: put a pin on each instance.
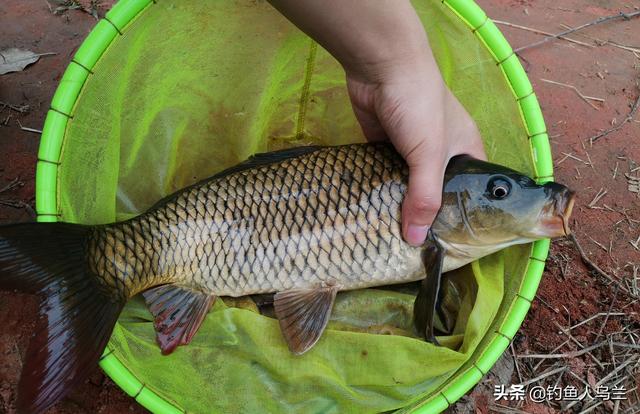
(304, 223)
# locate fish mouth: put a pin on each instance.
(568, 208)
(556, 224)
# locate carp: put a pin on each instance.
(303, 223)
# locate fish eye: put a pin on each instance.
(498, 188)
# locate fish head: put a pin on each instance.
(486, 204)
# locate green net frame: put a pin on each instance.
(117, 21)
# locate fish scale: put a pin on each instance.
(330, 215)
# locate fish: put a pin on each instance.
(302, 223)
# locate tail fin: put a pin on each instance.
(76, 315)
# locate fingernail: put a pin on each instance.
(416, 234)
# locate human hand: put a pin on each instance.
(427, 126)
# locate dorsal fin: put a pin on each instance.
(266, 158)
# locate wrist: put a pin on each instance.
(396, 66)
(392, 46)
(401, 55)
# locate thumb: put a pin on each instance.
(423, 198)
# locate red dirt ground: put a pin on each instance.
(570, 292)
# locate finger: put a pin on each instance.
(422, 200)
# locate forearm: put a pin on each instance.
(370, 38)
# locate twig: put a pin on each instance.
(590, 162)
(515, 361)
(13, 203)
(600, 20)
(13, 184)
(600, 245)
(599, 383)
(629, 118)
(573, 157)
(623, 47)
(571, 354)
(19, 204)
(568, 334)
(606, 207)
(544, 375)
(37, 131)
(592, 265)
(535, 368)
(601, 193)
(585, 383)
(544, 302)
(597, 315)
(606, 319)
(585, 98)
(635, 279)
(601, 42)
(623, 345)
(542, 32)
(558, 379)
(18, 108)
(615, 371)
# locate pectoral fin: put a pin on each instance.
(448, 305)
(424, 308)
(178, 312)
(303, 314)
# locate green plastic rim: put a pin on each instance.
(117, 21)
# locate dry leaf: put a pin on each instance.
(15, 60)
